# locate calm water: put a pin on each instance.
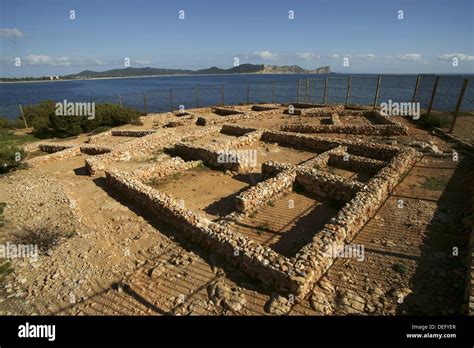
(192, 91)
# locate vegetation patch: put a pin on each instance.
(9, 138)
(45, 238)
(47, 124)
(439, 120)
(5, 269)
(10, 159)
(434, 183)
(2, 218)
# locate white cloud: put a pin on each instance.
(142, 62)
(265, 55)
(12, 33)
(460, 56)
(410, 56)
(38, 60)
(334, 56)
(307, 56)
(91, 61)
(368, 56)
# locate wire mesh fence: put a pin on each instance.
(272, 92)
(447, 97)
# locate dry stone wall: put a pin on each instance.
(95, 150)
(265, 191)
(52, 148)
(258, 261)
(132, 132)
(141, 147)
(288, 276)
(163, 168)
(226, 111)
(213, 154)
(316, 257)
(347, 129)
(356, 163)
(62, 154)
(382, 123)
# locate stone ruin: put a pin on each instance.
(287, 275)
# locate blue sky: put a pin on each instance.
(323, 32)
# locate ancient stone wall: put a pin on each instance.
(62, 154)
(265, 191)
(141, 147)
(356, 163)
(258, 261)
(52, 148)
(132, 132)
(347, 129)
(95, 149)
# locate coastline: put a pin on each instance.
(148, 76)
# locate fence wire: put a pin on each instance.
(447, 97)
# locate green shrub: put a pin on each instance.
(46, 123)
(5, 269)
(434, 120)
(44, 237)
(99, 130)
(8, 160)
(11, 124)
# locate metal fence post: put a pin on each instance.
(222, 94)
(120, 101)
(348, 89)
(171, 99)
(298, 91)
(325, 90)
(306, 92)
(377, 91)
(145, 108)
(23, 116)
(415, 92)
(458, 105)
(197, 96)
(433, 94)
(273, 92)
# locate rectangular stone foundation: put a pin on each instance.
(287, 276)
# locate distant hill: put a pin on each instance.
(241, 69)
(137, 72)
(127, 72)
(293, 69)
(264, 69)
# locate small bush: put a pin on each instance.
(434, 183)
(44, 237)
(46, 123)
(2, 218)
(434, 120)
(8, 156)
(99, 130)
(5, 269)
(400, 268)
(11, 124)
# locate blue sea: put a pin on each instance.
(163, 93)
